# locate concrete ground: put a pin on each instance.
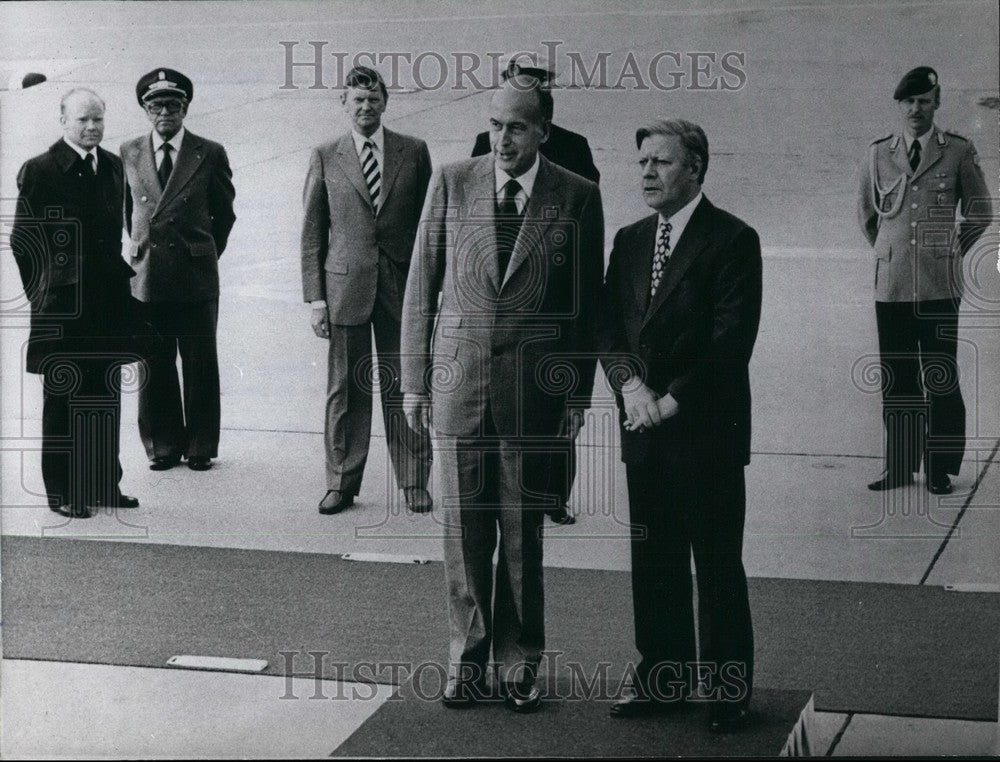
(785, 151)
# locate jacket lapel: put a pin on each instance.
(641, 263)
(898, 150)
(392, 158)
(692, 241)
(480, 205)
(347, 159)
(528, 237)
(64, 156)
(189, 158)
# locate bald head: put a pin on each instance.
(82, 117)
(518, 124)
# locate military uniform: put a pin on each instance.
(908, 216)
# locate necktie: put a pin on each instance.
(91, 163)
(369, 167)
(166, 166)
(660, 256)
(508, 225)
(915, 155)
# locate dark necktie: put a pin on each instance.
(660, 256)
(915, 155)
(166, 166)
(369, 167)
(91, 163)
(508, 225)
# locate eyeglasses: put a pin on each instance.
(164, 107)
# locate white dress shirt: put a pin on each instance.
(526, 181)
(923, 139)
(175, 144)
(82, 152)
(678, 221)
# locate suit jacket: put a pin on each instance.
(519, 344)
(178, 232)
(67, 242)
(694, 338)
(568, 149)
(909, 216)
(344, 244)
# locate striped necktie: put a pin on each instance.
(369, 167)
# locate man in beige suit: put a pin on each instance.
(498, 342)
(362, 200)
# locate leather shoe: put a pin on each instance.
(939, 485)
(729, 719)
(120, 501)
(199, 463)
(890, 481)
(561, 516)
(334, 502)
(71, 511)
(522, 698)
(460, 695)
(164, 462)
(418, 500)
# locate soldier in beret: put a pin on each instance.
(911, 184)
(179, 211)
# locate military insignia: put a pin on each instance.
(942, 198)
(932, 77)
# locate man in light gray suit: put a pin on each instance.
(362, 203)
(508, 265)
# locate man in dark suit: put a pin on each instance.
(570, 151)
(499, 311)
(66, 240)
(680, 312)
(179, 211)
(362, 199)
(912, 184)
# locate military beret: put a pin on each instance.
(163, 82)
(917, 81)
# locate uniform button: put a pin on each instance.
(913, 206)
(143, 198)
(913, 242)
(940, 185)
(153, 245)
(913, 224)
(173, 245)
(915, 188)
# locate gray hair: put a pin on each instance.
(692, 139)
(78, 91)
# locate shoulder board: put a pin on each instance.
(881, 140)
(956, 135)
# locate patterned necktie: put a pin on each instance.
(660, 256)
(915, 155)
(369, 167)
(166, 166)
(91, 163)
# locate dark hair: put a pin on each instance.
(692, 138)
(366, 79)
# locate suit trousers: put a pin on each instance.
(81, 402)
(561, 471)
(922, 407)
(491, 489)
(169, 427)
(682, 503)
(351, 377)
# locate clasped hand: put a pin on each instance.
(643, 409)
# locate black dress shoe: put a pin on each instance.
(561, 516)
(120, 501)
(334, 502)
(418, 500)
(71, 511)
(460, 695)
(164, 462)
(728, 718)
(939, 485)
(199, 463)
(521, 698)
(890, 481)
(639, 705)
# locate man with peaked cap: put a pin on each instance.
(570, 151)
(912, 182)
(362, 200)
(179, 212)
(66, 240)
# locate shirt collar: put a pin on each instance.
(526, 180)
(175, 141)
(924, 139)
(679, 219)
(377, 138)
(81, 152)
